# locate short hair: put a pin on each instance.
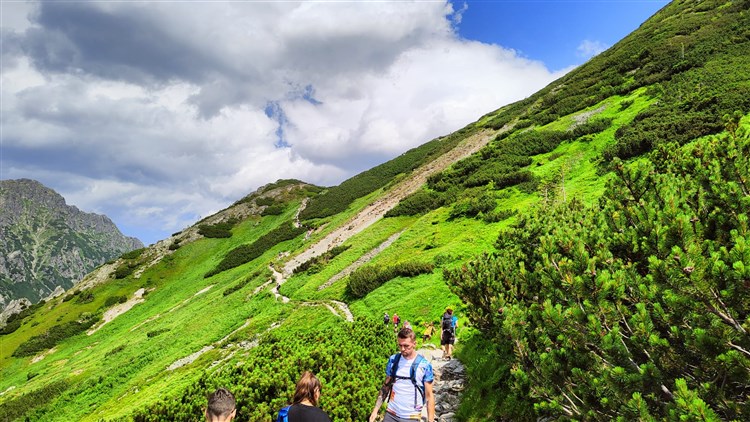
(449, 310)
(407, 333)
(220, 403)
(306, 388)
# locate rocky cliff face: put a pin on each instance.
(46, 244)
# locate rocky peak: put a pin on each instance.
(46, 244)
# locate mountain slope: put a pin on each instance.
(46, 244)
(204, 308)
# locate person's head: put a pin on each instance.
(406, 342)
(449, 311)
(221, 406)
(308, 388)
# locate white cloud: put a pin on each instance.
(589, 48)
(155, 113)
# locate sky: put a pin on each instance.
(158, 114)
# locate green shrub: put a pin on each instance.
(16, 408)
(368, 278)
(500, 215)
(133, 254)
(86, 296)
(265, 201)
(113, 300)
(125, 269)
(10, 327)
(114, 351)
(272, 210)
(246, 253)
(633, 304)
(55, 335)
(264, 381)
(155, 333)
(218, 230)
(242, 283)
(317, 263)
(472, 206)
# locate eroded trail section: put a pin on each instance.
(450, 379)
(361, 261)
(375, 211)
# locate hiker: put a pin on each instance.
(407, 324)
(304, 404)
(448, 337)
(396, 321)
(386, 318)
(408, 384)
(221, 406)
(427, 333)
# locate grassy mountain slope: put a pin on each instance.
(187, 332)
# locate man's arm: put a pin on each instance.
(430, 398)
(382, 396)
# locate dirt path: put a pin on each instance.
(340, 309)
(361, 261)
(279, 278)
(118, 310)
(375, 211)
(450, 379)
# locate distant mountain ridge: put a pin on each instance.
(46, 244)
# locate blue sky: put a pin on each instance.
(160, 113)
(554, 31)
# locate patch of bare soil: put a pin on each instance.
(582, 118)
(361, 261)
(41, 356)
(118, 310)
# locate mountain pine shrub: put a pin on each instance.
(637, 307)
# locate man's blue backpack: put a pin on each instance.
(412, 376)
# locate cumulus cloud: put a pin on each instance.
(588, 48)
(159, 113)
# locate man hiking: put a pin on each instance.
(408, 384)
(448, 337)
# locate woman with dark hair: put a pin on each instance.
(304, 405)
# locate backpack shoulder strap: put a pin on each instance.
(394, 366)
(413, 376)
(283, 414)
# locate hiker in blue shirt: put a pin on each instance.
(408, 384)
(304, 405)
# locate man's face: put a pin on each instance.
(406, 345)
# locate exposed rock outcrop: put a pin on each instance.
(46, 244)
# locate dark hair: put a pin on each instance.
(450, 311)
(306, 387)
(407, 333)
(220, 403)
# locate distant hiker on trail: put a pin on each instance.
(304, 405)
(407, 324)
(386, 318)
(427, 333)
(448, 337)
(408, 384)
(396, 321)
(221, 406)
